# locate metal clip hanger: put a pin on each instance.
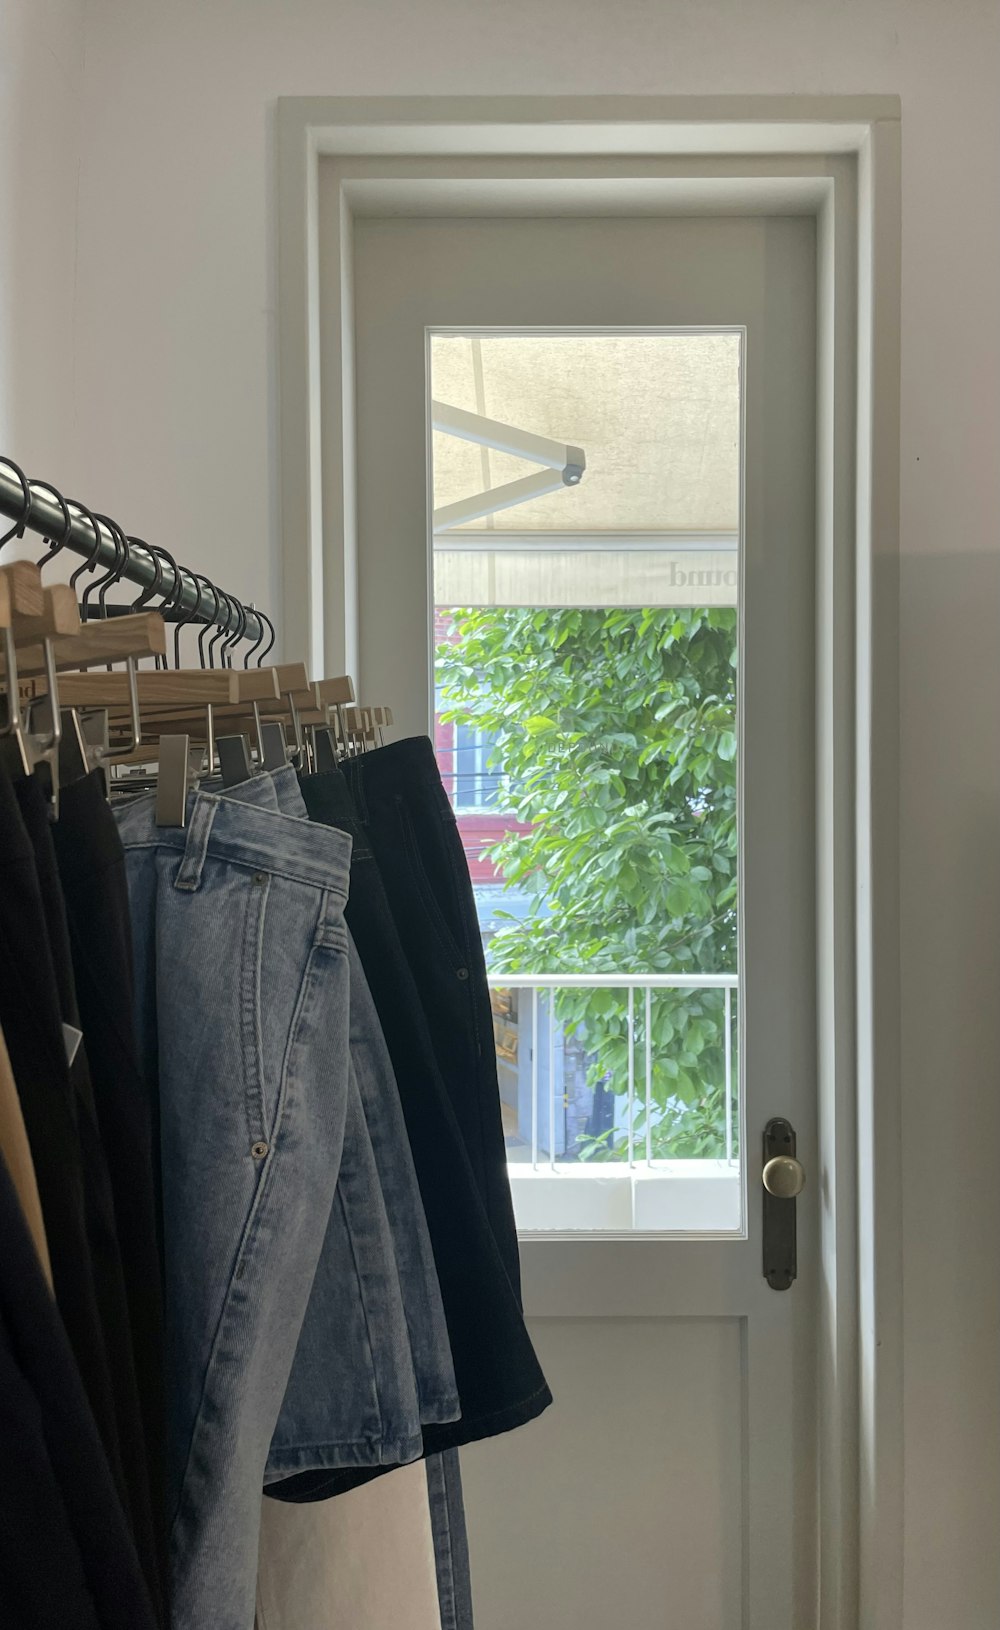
(15, 733)
(235, 762)
(173, 780)
(84, 746)
(275, 747)
(34, 727)
(324, 748)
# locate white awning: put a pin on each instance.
(646, 577)
(657, 415)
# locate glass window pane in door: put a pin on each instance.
(587, 509)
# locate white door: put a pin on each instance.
(672, 1483)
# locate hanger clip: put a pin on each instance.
(324, 748)
(275, 746)
(173, 780)
(234, 759)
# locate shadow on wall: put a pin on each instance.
(950, 968)
(41, 72)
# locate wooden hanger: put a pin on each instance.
(36, 641)
(186, 701)
(93, 644)
(290, 718)
(56, 642)
(43, 635)
(166, 693)
(22, 604)
(320, 714)
(21, 592)
(57, 615)
(285, 696)
(336, 692)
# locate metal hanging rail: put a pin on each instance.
(35, 507)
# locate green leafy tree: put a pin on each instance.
(615, 745)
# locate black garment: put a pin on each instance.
(102, 1232)
(500, 1383)
(32, 1026)
(67, 1561)
(411, 827)
(92, 872)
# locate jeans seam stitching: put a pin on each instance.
(293, 1032)
(445, 937)
(448, 1539)
(364, 1308)
(250, 1027)
(249, 1232)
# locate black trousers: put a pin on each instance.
(99, 1209)
(32, 1024)
(500, 1382)
(67, 1560)
(91, 865)
(411, 828)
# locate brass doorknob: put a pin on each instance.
(784, 1177)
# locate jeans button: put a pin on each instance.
(463, 973)
(258, 1150)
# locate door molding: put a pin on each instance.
(835, 157)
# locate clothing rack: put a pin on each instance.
(38, 506)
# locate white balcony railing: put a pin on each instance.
(636, 1189)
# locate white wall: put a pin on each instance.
(174, 399)
(41, 71)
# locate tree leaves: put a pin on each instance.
(616, 746)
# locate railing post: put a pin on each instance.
(729, 1076)
(631, 1075)
(534, 1077)
(548, 985)
(649, 1076)
(552, 1080)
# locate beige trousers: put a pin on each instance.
(17, 1155)
(361, 1561)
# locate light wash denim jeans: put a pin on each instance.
(243, 991)
(351, 1398)
(427, 1328)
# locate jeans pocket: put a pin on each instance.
(318, 1023)
(276, 988)
(427, 893)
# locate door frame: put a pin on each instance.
(839, 159)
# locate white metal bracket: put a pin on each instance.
(563, 464)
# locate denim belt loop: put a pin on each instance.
(330, 930)
(199, 832)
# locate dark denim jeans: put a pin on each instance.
(396, 1342)
(500, 1383)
